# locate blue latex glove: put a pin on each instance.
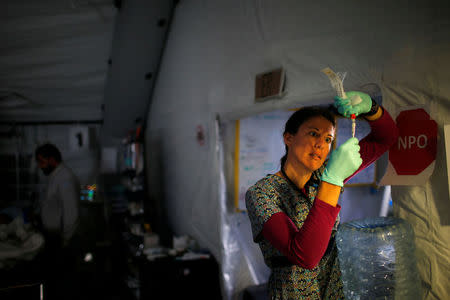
(343, 162)
(345, 107)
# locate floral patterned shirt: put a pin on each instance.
(274, 194)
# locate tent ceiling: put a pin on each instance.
(54, 59)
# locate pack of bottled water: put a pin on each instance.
(377, 259)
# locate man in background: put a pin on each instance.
(59, 209)
(59, 218)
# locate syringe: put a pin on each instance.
(353, 101)
(353, 117)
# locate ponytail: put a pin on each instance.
(283, 161)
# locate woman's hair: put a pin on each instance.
(47, 151)
(301, 116)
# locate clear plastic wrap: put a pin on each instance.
(377, 259)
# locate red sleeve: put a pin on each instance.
(383, 134)
(305, 246)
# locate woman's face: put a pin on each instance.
(309, 147)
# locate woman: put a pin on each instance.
(294, 213)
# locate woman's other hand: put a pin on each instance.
(343, 162)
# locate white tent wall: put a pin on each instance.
(214, 51)
(138, 40)
(418, 74)
(54, 59)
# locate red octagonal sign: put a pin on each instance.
(416, 146)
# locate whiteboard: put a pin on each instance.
(260, 146)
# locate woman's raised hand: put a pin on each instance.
(356, 103)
